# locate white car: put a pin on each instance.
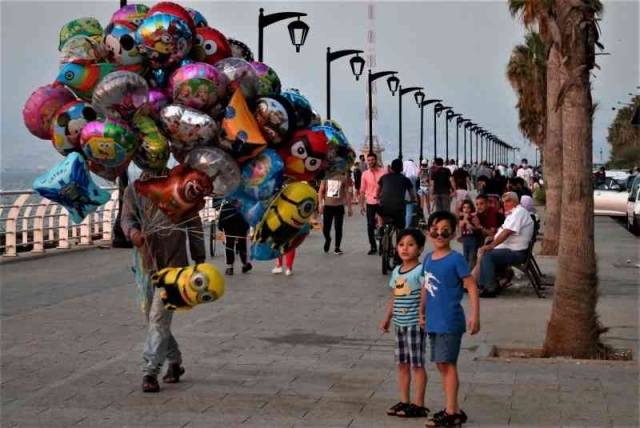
(633, 206)
(610, 198)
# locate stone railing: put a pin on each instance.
(29, 222)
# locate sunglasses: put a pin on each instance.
(444, 234)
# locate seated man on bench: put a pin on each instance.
(509, 246)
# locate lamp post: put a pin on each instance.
(479, 154)
(298, 30)
(423, 104)
(357, 67)
(448, 117)
(392, 83)
(461, 122)
(467, 127)
(402, 92)
(437, 110)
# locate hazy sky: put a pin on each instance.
(457, 50)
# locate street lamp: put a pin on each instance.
(449, 116)
(357, 66)
(402, 92)
(423, 104)
(437, 111)
(460, 122)
(298, 30)
(469, 126)
(392, 83)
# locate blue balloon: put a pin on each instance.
(261, 177)
(340, 156)
(252, 210)
(301, 106)
(69, 184)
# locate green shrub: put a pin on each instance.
(540, 195)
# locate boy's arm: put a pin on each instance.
(474, 320)
(384, 325)
(422, 312)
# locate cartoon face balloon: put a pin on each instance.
(198, 85)
(153, 153)
(67, 125)
(182, 288)
(198, 19)
(219, 166)
(340, 157)
(69, 184)
(273, 114)
(188, 128)
(305, 154)
(173, 9)
(110, 143)
(269, 82)
(240, 133)
(81, 50)
(41, 107)
(120, 45)
(285, 220)
(302, 107)
(120, 95)
(210, 46)
(132, 13)
(262, 176)
(163, 39)
(82, 79)
(180, 194)
(80, 27)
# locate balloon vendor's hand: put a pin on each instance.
(137, 238)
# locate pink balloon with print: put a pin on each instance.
(41, 107)
(198, 85)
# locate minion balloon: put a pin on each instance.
(185, 287)
(285, 221)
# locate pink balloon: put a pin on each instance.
(157, 99)
(41, 107)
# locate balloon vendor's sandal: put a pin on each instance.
(174, 371)
(398, 407)
(150, 384)
(443, 419)
(413, 411)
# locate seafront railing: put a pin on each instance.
(29, 222)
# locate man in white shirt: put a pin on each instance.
(526, 173)
(509, 246)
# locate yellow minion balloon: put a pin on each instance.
(185, 287)
(288, 213)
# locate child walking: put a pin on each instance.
(468, 236)
(404, 308)
(445, 275)
(235, 229)
(288, 262)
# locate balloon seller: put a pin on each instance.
(160, 82)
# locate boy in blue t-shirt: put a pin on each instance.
(445, 274)
(404, 308)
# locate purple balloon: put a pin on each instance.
(157, 99)
(198, 85)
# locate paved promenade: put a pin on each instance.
(299, 351)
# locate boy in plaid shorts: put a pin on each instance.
(404, 307)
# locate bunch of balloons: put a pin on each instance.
(161, 81)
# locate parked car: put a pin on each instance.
(610, 198)
(633, 206)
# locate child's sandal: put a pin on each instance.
(413, 411)
(443, 419)
(398, 407)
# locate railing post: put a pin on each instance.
(63, 230)
(38, 227)
(52, 217)
(85, 230)
(11, 226)
(25, 225)
(107, 216)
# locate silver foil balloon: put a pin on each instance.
(241, 75)
(120, 95)
(188, 128)
(219, 166)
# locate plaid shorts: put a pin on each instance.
(410, 345)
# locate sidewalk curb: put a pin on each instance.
(54, 252)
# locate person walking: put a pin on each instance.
(423, 192)
(235, 230)
(441, 186)
(288, 259)
(369, 196)
(333, 197)
(155, 251)
(411, 171)
(357, 181)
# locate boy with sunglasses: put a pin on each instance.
(446, 273)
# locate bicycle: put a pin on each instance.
(386, 246)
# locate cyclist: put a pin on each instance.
(391, 194)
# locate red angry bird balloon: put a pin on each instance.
(305, 154)
(179, 194)
(210, 46)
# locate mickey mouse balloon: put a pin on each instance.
(67, 125)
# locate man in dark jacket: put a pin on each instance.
(235, 230)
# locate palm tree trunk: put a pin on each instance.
(552, 155)
(574, 329)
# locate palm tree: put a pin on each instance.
(574, 329)
(526, 72)
(624, 138)
(536, 13)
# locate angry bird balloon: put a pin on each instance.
(285, 219)
(210, 46)
(182, 288)
(178, 195)
(305, 154)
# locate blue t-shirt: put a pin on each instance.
(406, 291)
(443, 282)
